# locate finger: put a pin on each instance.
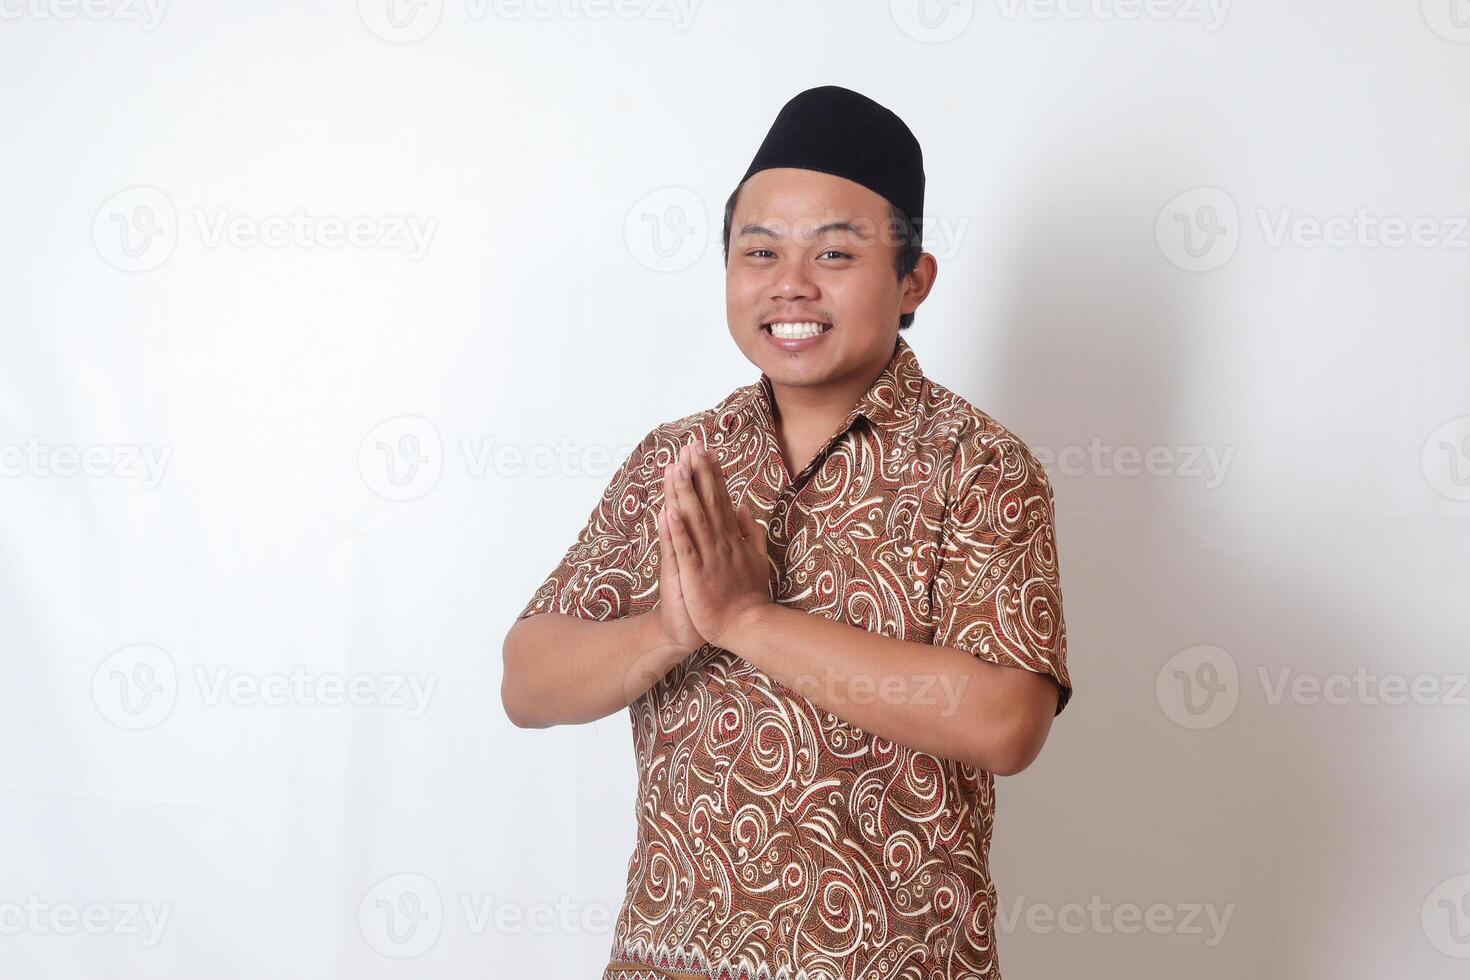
(709, 482)
(750, 528)
(691, 509)
(668, 562)
(683, 543)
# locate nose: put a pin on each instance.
(794, 282)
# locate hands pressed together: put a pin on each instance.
(713, 566)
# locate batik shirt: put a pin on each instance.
(775, 840)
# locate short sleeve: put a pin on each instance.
(606, 574)
(997, 591)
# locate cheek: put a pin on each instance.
(857, 298)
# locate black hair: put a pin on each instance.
(905, 259)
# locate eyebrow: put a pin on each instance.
(830, 226)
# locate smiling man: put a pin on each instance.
(831, 602)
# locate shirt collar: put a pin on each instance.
(888, 403)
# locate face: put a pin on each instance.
(814, 248)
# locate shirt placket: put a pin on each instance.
(788, 489)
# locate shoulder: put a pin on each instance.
(986, 466)
(979, 440)
(659, 445)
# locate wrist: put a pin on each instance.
(746, 623)
(656, 641)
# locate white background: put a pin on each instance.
(325, 496)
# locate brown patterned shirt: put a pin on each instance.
(774, 839)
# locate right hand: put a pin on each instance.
(672, 614)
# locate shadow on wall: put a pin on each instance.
(1128, 806)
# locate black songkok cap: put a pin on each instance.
(838, 131)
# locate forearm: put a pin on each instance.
(564, 670)
(930, 698)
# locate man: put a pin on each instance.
(831, 602)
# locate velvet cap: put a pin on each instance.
(837, 131)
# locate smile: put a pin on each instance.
(795, 331)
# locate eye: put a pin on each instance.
(755, 253)
(833, 251)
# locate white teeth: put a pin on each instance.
(795, 331)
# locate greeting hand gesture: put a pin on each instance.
(723, 569)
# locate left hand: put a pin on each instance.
(721, 551)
